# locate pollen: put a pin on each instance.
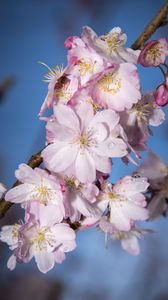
(143, 110)
(15, 231)
(84, 141)
(154, 52)
(44, 194)
(86, 67)
(63, 93)
(110, 83)
(113, 43)
(111, 196)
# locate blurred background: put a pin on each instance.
(33, 30)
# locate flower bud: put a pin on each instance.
(153, 53)
(161, 94)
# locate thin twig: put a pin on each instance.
(155, 23)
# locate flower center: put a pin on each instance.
(15, 231)
(113, 41)
(110, 83)
(111, 196)
(84, 141)
(143, 110)
(86, 66)
(63, 93)
(43, 238)
(154, 52)
(44, 194)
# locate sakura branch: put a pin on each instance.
(98, 113)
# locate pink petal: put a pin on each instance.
(58, 158)
(119, 219)
(103, 164)
(68, 246)
(135, 212)
(45, 261)
(90, 192)
(129, 185)
(131, 245)
(59, 256)
(107, 116)
(85, 113)
(59, 132)
(63, 232)
(85, 167)
(11, 264)
(67, 117)
(112, 147)
(26, 174)
(20, 193)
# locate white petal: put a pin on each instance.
(85, 167)
(67, 117)
(59, 159)
(45, 261)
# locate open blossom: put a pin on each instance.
(80, 199)
(125, 201)
(117, 88)
(153, 168)
(157, 172)
(136, 121)
(82, 141)
(110, 45)
(128, 239)
(86, 63)
(9, 235)
(39, 238)
(153, 53)
(37, 185)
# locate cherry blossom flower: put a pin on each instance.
(128, 239)
(117, 88)
(125, 201)
(161, 93)
(157, 173)
(153, 168)
(136, 121)
(82, 141)
(39, 238)
(86, 63)
(37, 185)
(9, 235)
(80, 199)
(153, 53)
(110, 45)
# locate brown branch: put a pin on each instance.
(156, 22)
(33, 162)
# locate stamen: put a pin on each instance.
(53, 72)
(110, 83)
(86, 66)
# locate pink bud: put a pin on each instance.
(161, 94)
(153, 53)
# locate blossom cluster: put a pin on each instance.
(98, 113)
